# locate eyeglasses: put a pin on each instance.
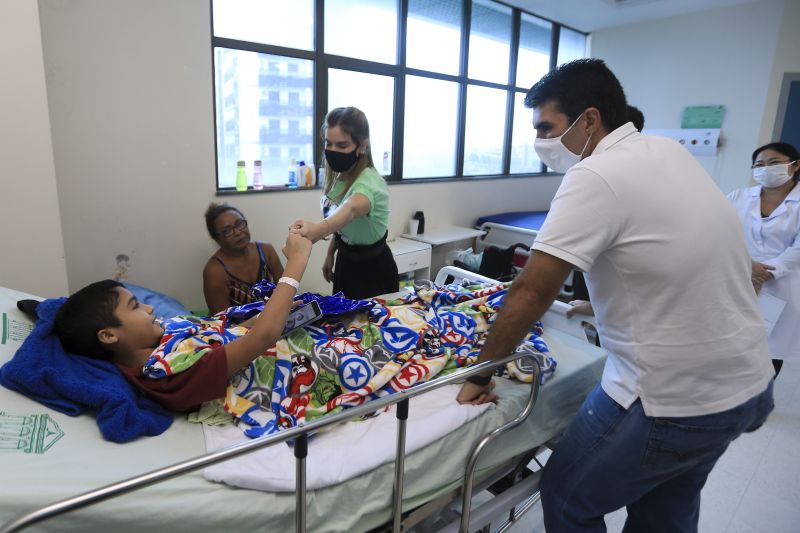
(239, 225)
(771, 164)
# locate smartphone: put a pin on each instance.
(302, 316)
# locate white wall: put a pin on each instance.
(131, 111)
(32, 258)
(787, 59)
(724, 56)
(130, 106)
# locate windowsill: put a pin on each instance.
(473, 178)
(271, 189)
(407, 181)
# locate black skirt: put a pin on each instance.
(364, 271)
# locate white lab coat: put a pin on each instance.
(775, 241)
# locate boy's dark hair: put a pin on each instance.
(84, 314)
(636, 116)
(782, 148)
(215, 210)
(579, 85)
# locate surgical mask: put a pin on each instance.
(555, 155)
(773, 175)
(341, 161)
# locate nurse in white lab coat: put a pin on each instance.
(770, 212)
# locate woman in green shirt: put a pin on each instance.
(355, 208)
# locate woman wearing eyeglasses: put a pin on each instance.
(770, 212)
(355, 210)
(229, 275)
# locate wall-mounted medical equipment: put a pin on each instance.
(697, 141)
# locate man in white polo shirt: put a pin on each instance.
(668, 272)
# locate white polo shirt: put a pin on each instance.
(668, 273)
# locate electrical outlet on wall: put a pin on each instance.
(123, 264)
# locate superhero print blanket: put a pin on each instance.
(347, 358)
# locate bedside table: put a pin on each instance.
(412, 257)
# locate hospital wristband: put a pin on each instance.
(291, 282)
(479, 380)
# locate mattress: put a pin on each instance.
(46, 456)
(530, 220)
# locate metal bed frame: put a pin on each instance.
(300, 435)
(503, 236)
(526, 491)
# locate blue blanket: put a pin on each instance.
(73, 384)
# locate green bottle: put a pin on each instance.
(241, 177)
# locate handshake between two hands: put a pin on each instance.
(297, 247)
(313, 231)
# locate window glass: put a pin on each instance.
(533, 59)
(489, 41)
(251, 124)
(571, 46)
(433, 40)
(483, 141)
(265, 102)
(363, 29)
(287, 23)
(374, 95)
(431, 116)
(523, 156)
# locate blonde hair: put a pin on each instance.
(353, 122)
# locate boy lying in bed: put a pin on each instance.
(105, 320)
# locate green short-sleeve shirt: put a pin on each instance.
(370, 228)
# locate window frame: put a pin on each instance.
(399, 71)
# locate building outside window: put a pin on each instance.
(443, 88)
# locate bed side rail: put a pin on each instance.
(502, 229)
(460, 273)
(300, 434)
(556, 317)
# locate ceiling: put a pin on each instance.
(591, 15)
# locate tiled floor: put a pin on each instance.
(755, 486)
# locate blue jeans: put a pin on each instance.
(611, 457)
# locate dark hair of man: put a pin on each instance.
(784, 149)
(215, 210)
(579, 85)
(84, 314)
(636, 116)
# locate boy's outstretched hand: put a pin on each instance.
(297, 248)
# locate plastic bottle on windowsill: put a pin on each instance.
(310, 175)
(258, 182)
(301, 174)
(241, 177)
(293, 174)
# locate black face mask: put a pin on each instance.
(341, 161)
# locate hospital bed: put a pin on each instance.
(507, 229)
(46, 456)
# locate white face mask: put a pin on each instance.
(555, 155)
(773, 175)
